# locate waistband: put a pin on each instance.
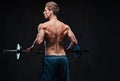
(55, 55)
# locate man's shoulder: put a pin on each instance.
(64, 24)
(42, 25)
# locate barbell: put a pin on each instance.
(76, 51)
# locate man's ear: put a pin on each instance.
(51, 12)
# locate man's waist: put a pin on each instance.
(54, 54)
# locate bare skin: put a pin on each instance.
(54, 33)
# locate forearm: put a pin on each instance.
(31, 48)
(72, 44)
(38, 40)
(36, 43)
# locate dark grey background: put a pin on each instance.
(95, 24)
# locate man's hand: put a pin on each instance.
(29, 50)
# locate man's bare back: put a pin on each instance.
(55, 33)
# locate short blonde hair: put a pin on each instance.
(52, 6)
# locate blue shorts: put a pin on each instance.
(55, 68)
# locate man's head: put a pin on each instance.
(51, 8)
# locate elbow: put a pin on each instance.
(75, 42)
(39, 42)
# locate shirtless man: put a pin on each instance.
(53, 33)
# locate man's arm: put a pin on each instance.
(39, 39)
(72, 39)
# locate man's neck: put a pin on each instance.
(53, 17)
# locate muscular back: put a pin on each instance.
(55, 33)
